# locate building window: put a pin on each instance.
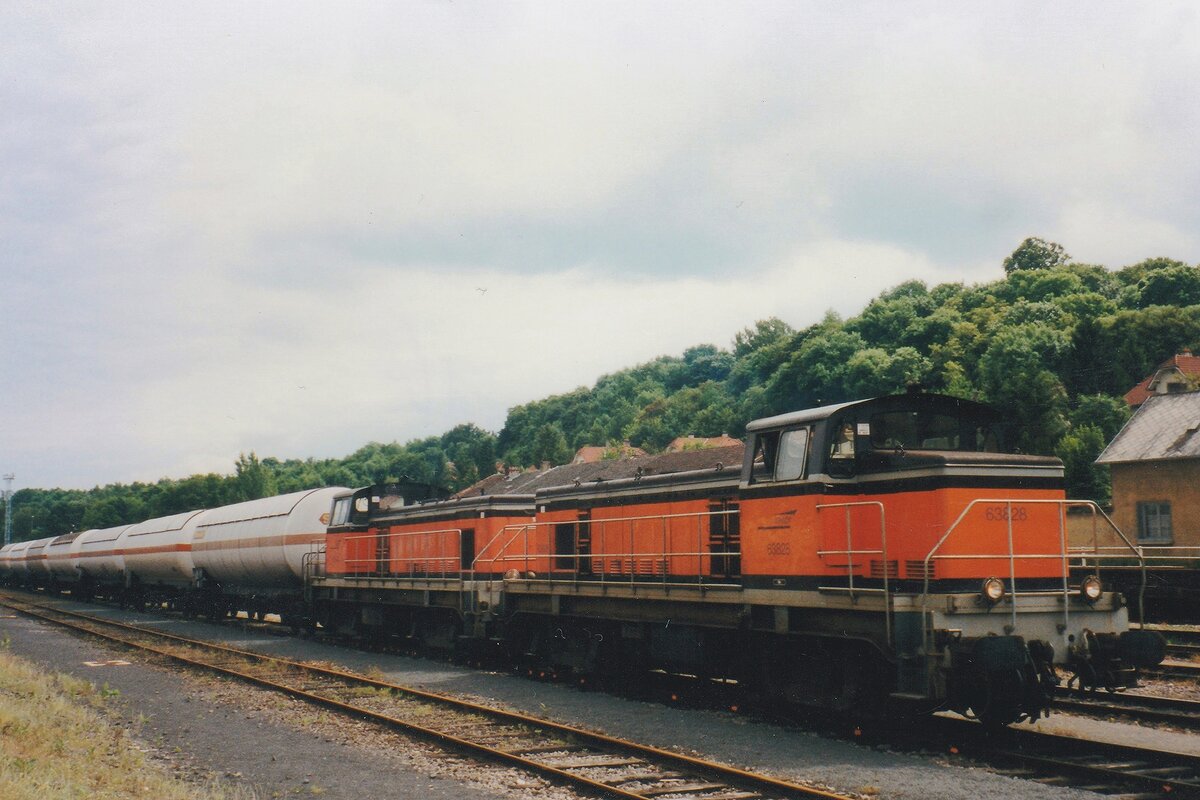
(1154, 523)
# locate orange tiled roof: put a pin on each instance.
(1185, 363)
(700, 443)
(591, 454)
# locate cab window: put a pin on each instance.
(341, 510)
(793, 451)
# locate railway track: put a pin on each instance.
(593, 763)
(1172, 668)
(606, 766)
(1131, 705)
(1082, 764)
(1182, 642)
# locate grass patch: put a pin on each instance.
(55, 744)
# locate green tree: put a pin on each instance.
(109, 512)
(1174, 286)
(1106, 414)
(1017, 374)
(1035, 253)
(252, 480)
(550, 445)
(764, 333)
(816, 373)
(1085, 479)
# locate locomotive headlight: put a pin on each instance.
(1091, 589)
(993, 590)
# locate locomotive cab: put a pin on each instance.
(922, 518)
(353, 512)
(863, 437)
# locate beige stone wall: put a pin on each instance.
(1176, 482)
(1091, 531)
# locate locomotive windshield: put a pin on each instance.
(932, 430)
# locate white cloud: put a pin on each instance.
(399, 356)
(209, 207)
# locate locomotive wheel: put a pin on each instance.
(997, 699)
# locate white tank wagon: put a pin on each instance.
(95, 556)
(18, 570)
(5, 562)
(37, 568)
(158, 553)
(63, 572)
(258, 547)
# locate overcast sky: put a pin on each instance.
(296, 228)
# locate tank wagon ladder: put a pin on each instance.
(851, 551)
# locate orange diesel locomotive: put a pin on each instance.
(872, 555)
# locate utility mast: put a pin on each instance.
(8, 479)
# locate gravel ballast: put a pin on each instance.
(268, 750)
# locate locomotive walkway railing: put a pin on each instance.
(616, 550)
(1155, 555)
(1012, 512)
(851, 551)
(639, 550)
(386, 555)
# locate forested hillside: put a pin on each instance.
(1054, 344)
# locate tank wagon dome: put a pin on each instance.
(262, 543)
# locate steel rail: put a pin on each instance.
(1087, 763)
(655, 756)
(1131, 705)
(1174, 669)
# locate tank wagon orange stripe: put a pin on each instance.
(262, 541)
(235, 544)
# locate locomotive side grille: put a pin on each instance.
(917, 569)
(889, 568)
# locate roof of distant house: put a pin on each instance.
(590, 454)
(1184, 363)
(700, 443)
(1166, 426)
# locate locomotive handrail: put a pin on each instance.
(312, 565)
(1063, 554)
(439, 560)
(661, 557)
(515, 531)
(1151, 552)
(850, 551)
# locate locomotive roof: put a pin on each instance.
(615, 469)
(886, 401)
